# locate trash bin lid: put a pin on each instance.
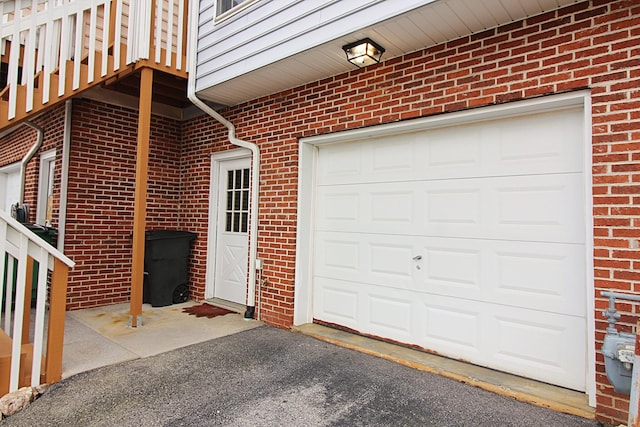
(169, 234)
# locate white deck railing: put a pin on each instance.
(54, 44)
(21, 247)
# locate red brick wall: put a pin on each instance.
(196, 164)
(101, 190)
(101, 197)
(588, 45)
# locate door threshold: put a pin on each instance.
(526, 390)
(233, 306)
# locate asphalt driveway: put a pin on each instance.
(271, 377)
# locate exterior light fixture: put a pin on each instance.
(363, 52)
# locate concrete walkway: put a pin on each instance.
(101, 336)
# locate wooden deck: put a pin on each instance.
(67, 47)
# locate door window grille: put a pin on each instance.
(237, 220)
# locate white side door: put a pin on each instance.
(232, 224)
(9, 186)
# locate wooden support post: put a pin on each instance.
(140, 202)
(57, 312)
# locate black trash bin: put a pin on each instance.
(166, 267)
(48, 234)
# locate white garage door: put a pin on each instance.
(466, 240)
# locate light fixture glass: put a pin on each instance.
(363, 52)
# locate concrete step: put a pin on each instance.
(522, 389)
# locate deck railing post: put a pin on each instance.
(57, 309)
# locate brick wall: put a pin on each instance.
(196, 164)
(101, 197)
(101, 190)
(587, 45)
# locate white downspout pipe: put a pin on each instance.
(27, 157)
(255, 152)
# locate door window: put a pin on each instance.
(237, 208)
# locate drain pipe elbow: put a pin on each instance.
(27, 157)
(255, 160)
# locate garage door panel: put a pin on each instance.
(545, 277)
(530, 143)
(359, 306)
(466, 240)
(390, 315)
(392, 207)
(341, 206)
(366, 258)
(451, 329)
(506, 338)
(540, 208)
(525, 145)
(370, 208)
(338, 255)
(390, 261)
(451, 267)
(337, 302)
(391, 157)
(541, 276)
(537, 208)
(532, 275)
(341, 163)
(550, 345)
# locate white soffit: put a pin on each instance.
(426, 26)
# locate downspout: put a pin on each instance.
(255, 154)
(64, 180)
(27, 157)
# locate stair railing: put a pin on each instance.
(31, 265)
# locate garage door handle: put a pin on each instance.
(417, 257)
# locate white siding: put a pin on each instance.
(269, 46)
(238, 44)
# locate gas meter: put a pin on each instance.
(618, 351)
(618, 347)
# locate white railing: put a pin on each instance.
(22, 249)
(83, 40)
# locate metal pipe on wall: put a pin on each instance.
(255, 163)
(27, 157)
